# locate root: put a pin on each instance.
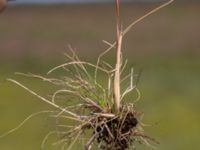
(115, 133)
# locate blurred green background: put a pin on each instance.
(165, 47)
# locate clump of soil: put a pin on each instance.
(120, 134)
(114, 133)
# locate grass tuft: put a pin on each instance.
(96, 108)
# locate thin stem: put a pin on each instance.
(116, 88)
(146, 15)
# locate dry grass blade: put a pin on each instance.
(46, 138)
(86, 63)
(101, 55)
(50, 80)
(145, 16)
(74, 140)
(23, 122)
(44, 99)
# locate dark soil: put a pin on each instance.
(117, 133)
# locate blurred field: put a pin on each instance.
(165, 47)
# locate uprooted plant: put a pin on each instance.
(114, 124)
